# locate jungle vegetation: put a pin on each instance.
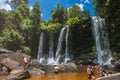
(21, 27)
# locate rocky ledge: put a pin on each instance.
(13, 61)
(110, 77)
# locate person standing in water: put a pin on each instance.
(89, 72)
(92, 73)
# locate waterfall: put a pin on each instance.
(51, 50)
(54, 59)
(40, 56)
(102, 42)
(67, 45)
(59, 46)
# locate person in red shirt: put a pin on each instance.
(25, 60)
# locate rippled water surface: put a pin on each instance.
(65, 76)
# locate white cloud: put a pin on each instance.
(85, 1)
(41, 14)
(4, 4)
(81, 6)
(31, 7)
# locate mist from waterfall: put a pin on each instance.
(40, 56)
(102, 41)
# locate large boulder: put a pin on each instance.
(36, 72)
(14, 56)
(68, 67)
(19, 76)
(7, 62)
(2, 50)
(110, 77)
(35, 64)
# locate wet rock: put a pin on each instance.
(35, 64)
(4, 51)
(18, 57)
(68, 67)
(117, 65)
(110, 77)
(19, 76)
(36, 72)
(10, 63)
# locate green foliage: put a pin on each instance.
(11, 37)
(21, 27)
(73, 21)
(93, 48)
(26, 24)
(74, 11)
(84, 15)
(23, 11)
(26, 49)
(3, 14)
(18, 2)
(59, 15)
(51, 27)
(35, 14)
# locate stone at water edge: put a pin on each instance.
(110, 77)
(19, 76)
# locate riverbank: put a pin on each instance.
(14, 61)
(81, 75)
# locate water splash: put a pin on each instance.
(102, 42)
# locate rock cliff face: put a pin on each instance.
(14, 62)
(110, 77)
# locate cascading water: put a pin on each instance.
(102, 42)
(51, 50)
(67, 45)
(54, 59)
(59, 47)
(40, 56)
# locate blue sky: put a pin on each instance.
(47, 6)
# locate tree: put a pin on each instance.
(3, 14)
(11, 39)
(18, 2)
(74, 11)
(59, 15)
(36, 14)
(23, 11)
(35, 18)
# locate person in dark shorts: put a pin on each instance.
(89, 72)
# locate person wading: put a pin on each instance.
(89, 72)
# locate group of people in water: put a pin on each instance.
(91, 71)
